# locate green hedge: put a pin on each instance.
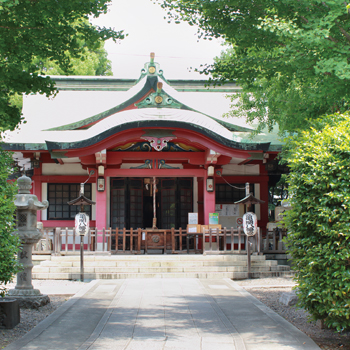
(9, 242)
(319, 223)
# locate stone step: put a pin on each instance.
(203, 275)
(162, 257)
(154, 263)
(145, 269)
(163, 266)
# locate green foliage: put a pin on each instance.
(92, 61)
(290, 57)
(9, 243)
(319, 226)
(33, 33)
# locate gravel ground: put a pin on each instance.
(267, 290)
(29, 319)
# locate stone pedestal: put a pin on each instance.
(9, 313)
(27, 207)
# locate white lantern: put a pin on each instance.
(82, 224)
(250, 224)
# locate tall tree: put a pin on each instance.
(45, 30)
(36, 35)
(290, 57)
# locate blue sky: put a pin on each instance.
(176, 46)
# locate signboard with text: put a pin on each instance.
(213, 218)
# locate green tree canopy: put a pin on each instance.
(34, 32)
(290, 57)
(92, 61)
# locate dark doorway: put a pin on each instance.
(147, 211)
(132, 202)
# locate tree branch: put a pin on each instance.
(344, 32)
(329, 37)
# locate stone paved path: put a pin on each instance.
(164, 314)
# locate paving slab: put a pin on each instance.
(164, 314)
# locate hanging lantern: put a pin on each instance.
(82, 224)
(250, 224)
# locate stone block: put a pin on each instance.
(289, 298)
(9, 313)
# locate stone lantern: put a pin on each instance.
(27, 206)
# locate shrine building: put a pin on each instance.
(149, 152)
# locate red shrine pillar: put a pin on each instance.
(209, 200)
(101, 215)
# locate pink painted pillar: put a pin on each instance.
(36, 190)
(101, 215)
(209, 201)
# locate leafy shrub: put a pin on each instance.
(319, 223)
(9, 242)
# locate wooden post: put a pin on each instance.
(139, 237)
(146, 242)
(89, 241)
(109, 239)
(164, 241)
(131, 239)
(124, 239)
(173, 240)
(180, 232)
(239, 240)
(74, 239)
(116, 239)
(259, 240)
(217, 239)
(232, 240)
(203, 238)
(225, 231)
(66, 247)
(57, 240)
(81, 258)
(187, 243)
(103, 239)
(249, 259)
(210, 240)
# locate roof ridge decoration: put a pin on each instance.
(151, 95)
(151, 68)
(160, 99)
(158, 139)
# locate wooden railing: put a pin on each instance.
(138, 241)
(272, 242)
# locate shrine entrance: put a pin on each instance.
(132, 202)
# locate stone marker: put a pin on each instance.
(9, 313)
(289, 298)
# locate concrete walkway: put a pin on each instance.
(164, 314)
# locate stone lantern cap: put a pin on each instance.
(250, 199)
(24, 199)
(81, 200)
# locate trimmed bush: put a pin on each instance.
(319, 223)
(9, 243)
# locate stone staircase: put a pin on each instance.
(158, 266)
